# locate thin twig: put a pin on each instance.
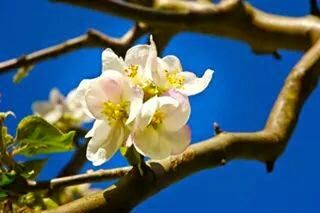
(97, 176)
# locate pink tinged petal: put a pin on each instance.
(179, 139)
(105, 141)
(136, 101)
(107, 87)
(173, 63)
(110, 61)
(176, 117)
(137, 55)
(193, 85)
(150, 143)
(151, 63)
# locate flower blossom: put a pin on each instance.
(140, 101)
(114, 103)
(61, 109)
(155, 75)
(160, 129)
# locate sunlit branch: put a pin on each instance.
(92, 38)
(97, 176)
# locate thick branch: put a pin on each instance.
(92, 38)
(230, 18)
(265, 146)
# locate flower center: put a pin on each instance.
(174, 79)
(150, 90)
(157, 119)
(115, 112)
(132, 70)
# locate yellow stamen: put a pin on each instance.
(115, 112)
(132, 70)
(150, 90)
(157, 119)
(174, 79)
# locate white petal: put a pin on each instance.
(55, 114)
(151, 63)
(159, 75)
(78, 97)
(179, 139)
(107, 87)
(149, 108)
(96, 124)
(42, 107)
(136, 101)
(77, 107)
(147, 111)
(110, 61)
(104, 143)
(165, 101)
(173, 63)
(137, 55)
(151, 144)
(176, 117)
(194, 85)
(56, 97)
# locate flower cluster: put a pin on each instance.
(65, 112)
(140, 101)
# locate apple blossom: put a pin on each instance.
(114, 103)
(155, 75)
(59, 108)
(160, 129)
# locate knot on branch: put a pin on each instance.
(270, 166)
(217, 129)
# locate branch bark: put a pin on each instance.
(97, 176)
(92, 38)
(265, 145)
(233, 19)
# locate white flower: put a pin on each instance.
(114, 103)
(160, 129)
(60, 108)
(155, 75)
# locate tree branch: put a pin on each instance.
(97, 176)
(234, 19)
(92, 38)
(265, 145)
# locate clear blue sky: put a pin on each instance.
(239, 98)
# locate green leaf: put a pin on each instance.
(123, 150)
(33, 167)
(7, 178)
(36, 136)
(22, 73)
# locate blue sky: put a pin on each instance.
(239, 98)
